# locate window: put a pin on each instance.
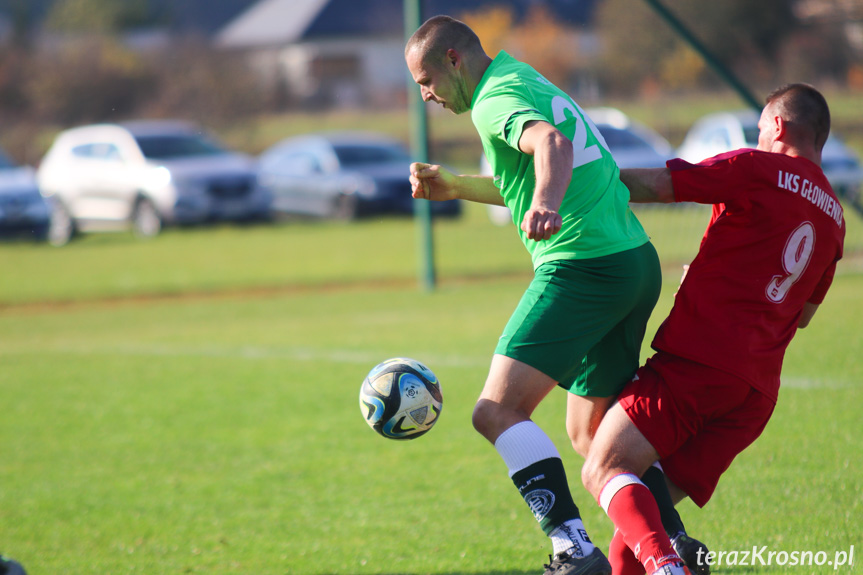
(98, 151)
(168, 146)
(359, 154)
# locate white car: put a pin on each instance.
(143, 174)
(725, 131)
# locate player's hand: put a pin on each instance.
(540, 223)
(432, 182)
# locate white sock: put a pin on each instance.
(524, 444)
(572, 535)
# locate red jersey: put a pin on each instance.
(771, 246)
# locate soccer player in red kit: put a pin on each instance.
(765, 263)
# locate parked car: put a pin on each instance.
(632, 145)
(341, 175)
(24, 213)
(725, 131)
(145, 174)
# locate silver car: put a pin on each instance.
(631, 143)
(341, 175)
(144, 174)
(725, 131)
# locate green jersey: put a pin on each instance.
(597, 220)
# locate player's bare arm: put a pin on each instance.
(436, 183)
(809, 310)
(648, 184)
(552, 158)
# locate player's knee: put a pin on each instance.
(592, 473)
(580, 440)
(484, 417)
(583, 419)
(581, 431)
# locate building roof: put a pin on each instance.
(279, 22)
(204, 16)
(270, 22)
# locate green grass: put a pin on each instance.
(189, 405)
(224, 435)
(303, 254)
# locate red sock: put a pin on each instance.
(635, 514)
(621, 557)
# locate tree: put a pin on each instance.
(747, 36)
(547, 45)
(97, 16)
(91, 79)
(539, 40)
(493, 25)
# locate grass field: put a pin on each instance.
(305, 255)
(189, 405)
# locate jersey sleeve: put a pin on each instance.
(503, 117)
(698, 182)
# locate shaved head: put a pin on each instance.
(805, 111)
(439, 34)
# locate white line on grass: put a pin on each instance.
(365, 357)
(809, 383)
(361, 357)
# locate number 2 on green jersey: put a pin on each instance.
(581, 153)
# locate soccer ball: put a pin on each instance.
(10, 566)
(401, 398)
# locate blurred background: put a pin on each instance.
(177, 391)
(231, 64)
(237, 82)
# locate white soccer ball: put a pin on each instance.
(401, 398)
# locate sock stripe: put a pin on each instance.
(614, 485)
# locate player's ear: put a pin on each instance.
(780, 126)
(453, 58)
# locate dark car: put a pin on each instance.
(341, 175)
(24, 213)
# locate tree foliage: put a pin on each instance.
(540, 39)
(750, 38)
(97, 16)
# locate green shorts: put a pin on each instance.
(582, 322)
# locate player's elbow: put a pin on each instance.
(664, 186)
(648, 185)
(562, 146)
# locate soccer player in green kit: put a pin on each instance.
(581, 322)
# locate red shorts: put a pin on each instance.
(696, 417)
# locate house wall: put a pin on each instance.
(345, 72)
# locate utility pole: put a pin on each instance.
(420, 153)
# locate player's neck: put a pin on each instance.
(478, 68)
(807, 152)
